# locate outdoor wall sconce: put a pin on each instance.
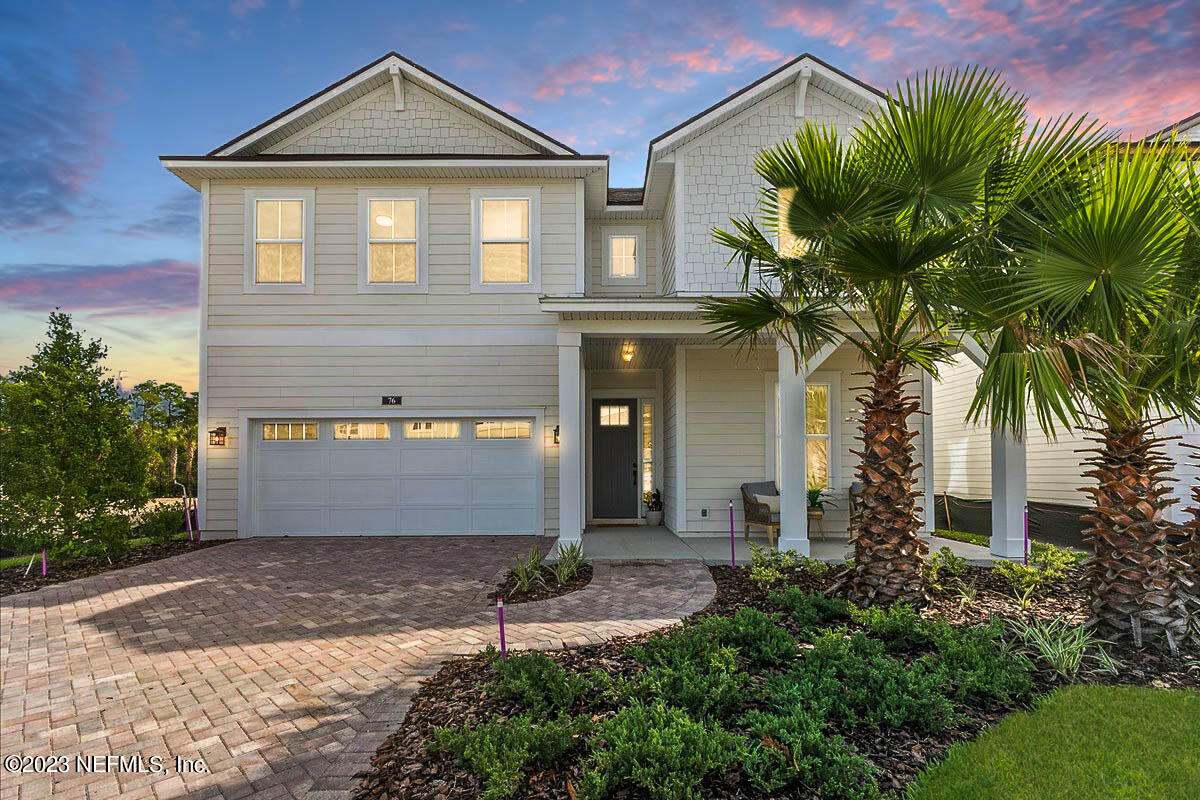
(216, 436)
(627, 352)
(556, 434)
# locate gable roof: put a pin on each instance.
(374, 75)
(1181, 125)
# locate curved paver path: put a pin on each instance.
(283, 664)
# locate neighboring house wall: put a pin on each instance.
(717, 171)
(596, 265)
(962, 451)
(246, 370)
(667, 283)
(372, 124)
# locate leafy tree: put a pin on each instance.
(166, 419)
(1094, 318)
(870, 231)
(71, 466)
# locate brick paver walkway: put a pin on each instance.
(282, 663)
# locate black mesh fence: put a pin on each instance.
(1056, 523)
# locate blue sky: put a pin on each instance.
(94, 92)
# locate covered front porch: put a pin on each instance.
(648, 402)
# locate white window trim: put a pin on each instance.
(774, 431)
(639, 277)
(421, 196)
(534, 195)
(250, 234)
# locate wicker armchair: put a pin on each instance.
(760, 514)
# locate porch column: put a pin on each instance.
(570, 436)
(793, 457)
(1009, 492)
(1009, 484)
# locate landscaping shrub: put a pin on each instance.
(500, 752)
(862, 686)
(978, 665)
(769, 568)
(1064, 647)
(711, 691)
(790, 749)
(102, 536)
(1052, 560)
(898, 626)
(1024, 580)
(659, 750)
(808, 609)
(759, 637)
(161, 523)
(944, 569)
(528, 572)
(568, 563)
(536, 682)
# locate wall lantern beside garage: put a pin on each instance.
(216, 436)
(556, 435)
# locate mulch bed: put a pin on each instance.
(403, 767)
(13, 580)
(544, 591)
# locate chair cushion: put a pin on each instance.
(771, 501)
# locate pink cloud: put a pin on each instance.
(145, 289)
(818, 22)
(699, 60)
(582, 69)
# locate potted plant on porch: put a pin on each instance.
(654, 508)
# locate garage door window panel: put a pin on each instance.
(503, 429)
(365, 431)
(290, 431)
(432, 429)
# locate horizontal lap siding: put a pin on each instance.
(429, 377)
(1054, 466)
(726, 432)
(670, 480)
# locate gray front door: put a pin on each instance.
(614, 459)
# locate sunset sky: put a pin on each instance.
(92, 93)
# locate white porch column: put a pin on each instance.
(1009, 492)
(793, 457)
(570, 436)
(1009, 482)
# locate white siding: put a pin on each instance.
(667, 283)
(429, 376)
(427, 124)
(596, 265)
(718, 170)
(726, 432)
(962, 452)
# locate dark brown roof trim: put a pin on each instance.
(763, 79)
(267, 158)
(1186, 122)
(632, 196)
(372, 65)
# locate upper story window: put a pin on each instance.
(505, 233)
(392, 240)
(624, 256)
(278, 237)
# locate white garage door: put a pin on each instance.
(427, 476)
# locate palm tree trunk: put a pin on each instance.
(888, 552)
(1130, 576)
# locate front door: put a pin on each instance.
(614, 459)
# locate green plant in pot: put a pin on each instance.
(654, 507)
(817, 502)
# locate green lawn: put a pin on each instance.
(963, 536)
(1081, 743)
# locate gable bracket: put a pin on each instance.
(802, 79)
(397, 86)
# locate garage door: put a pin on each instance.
(426, 476)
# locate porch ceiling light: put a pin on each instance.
(627, 352)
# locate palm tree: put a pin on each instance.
(870, 232)
(1094, 315)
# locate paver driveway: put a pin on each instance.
(282, 663)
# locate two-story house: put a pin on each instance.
(420, 315)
